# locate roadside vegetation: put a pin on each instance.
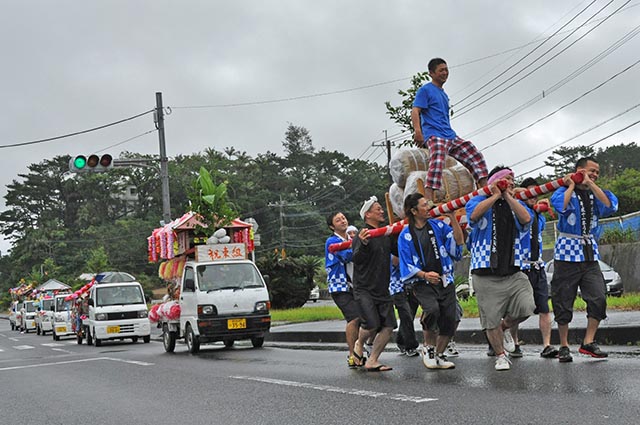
(627, 302)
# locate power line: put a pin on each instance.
(128, 140)
(537, 68)
(77, 132)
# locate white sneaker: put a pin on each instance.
(507, 341)
(452, 350)
(429, 359)
(443, 363)
(503, 362)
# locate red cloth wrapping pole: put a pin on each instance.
(395, 228)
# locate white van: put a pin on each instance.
(117, 311)
(44, 316)
(62, 320)
(14, 315)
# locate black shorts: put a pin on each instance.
(439, 307)
(376, 314)
(347, 305)
(567, 277)
(538, 279)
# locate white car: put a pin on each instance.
(612, 279)
(314, 295)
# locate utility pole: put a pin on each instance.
(164, 161)
(387, 144)
(281, 206)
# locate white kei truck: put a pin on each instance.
(117, 311)
(14, 315)
(28, 316)
(44, 316)
(62, 319)
(223, 300)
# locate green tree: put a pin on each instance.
(563, 160)
(401, 114)
(615, 159)
(98, 261)
(626, 187)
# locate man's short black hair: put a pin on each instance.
(330, 218)
(498, 168)
(529, 181)
(582, 162)
(433, 64)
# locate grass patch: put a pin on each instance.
(627, 302)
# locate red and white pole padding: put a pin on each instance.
(395, 228)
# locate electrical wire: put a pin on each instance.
(49, 139)
(128, 140)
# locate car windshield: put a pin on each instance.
(46, 304)
(62, 305)
(30, 307)
(214, 277)
(119, 295)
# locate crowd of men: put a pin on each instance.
(378, 275)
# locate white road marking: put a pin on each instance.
(52, 344)
(14, 339)
(328, 388)
(23, 347)
(62, 350)
(76, 361)
(1, 350)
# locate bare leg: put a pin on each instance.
(592, 328)
(429, 194)
(563, 331)
(544, 321)
(495, 337)
(351, 334)
(380, 341)
(441, 343)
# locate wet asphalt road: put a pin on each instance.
(61, 382)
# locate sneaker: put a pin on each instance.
(593, 350)
(443, 363)
(549, 352)
(508, 342)
(368, 348)
(517, 353)
(411, 352)
(503, 362)
(429, 359)
(402, 350)
(452, 350)
(490, 351)
(564, 355)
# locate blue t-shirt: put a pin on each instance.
(434, 112)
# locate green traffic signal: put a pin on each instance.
(80, 162)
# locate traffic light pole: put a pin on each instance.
(164, 161)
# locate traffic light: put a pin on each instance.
(91, 164)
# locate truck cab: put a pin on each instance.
(117, 311)
(224, 300)
(28, 316)
(62, 320)
(44, 316)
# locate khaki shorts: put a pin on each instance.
(503, 296)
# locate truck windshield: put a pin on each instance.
(119, 295)
(30, 307)
(214, 277)
(47, 304)
(62, 305)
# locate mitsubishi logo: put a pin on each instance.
(235, 306)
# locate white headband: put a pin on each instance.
(352, 229)
(367, 205)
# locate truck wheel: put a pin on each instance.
(168, 339)
(56, 337)
(96, 340)
(134, 339)
(257, 341)
(146, 339)
(193, 341)
(89, 337)
(228, 343)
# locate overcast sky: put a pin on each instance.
(68, 66)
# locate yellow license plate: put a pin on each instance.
(237, 324)
(113, 329)
(61, 329)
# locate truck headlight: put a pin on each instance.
(263, 306)
(142, 314)
(208, 309)
(101, 316)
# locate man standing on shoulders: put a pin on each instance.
(339, 272)
(576, 256)
(432, 130)
(426, 248)
(535, 271)
(505, 297)
(372, 272)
